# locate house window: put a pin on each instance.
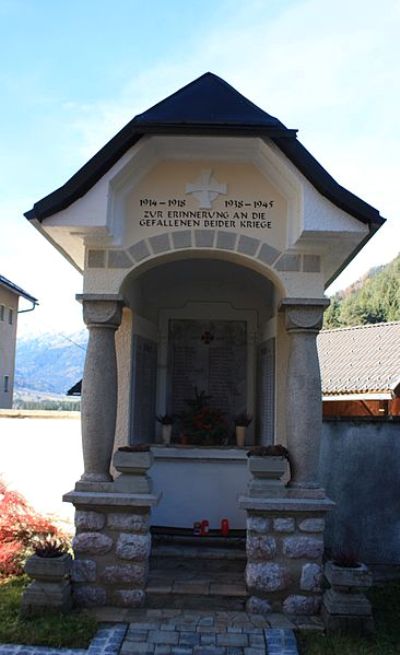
(6, 383)
(2, 312)
(10, 316)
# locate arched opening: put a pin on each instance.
(201, 326)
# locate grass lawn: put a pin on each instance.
(386, 607)
(73, 630)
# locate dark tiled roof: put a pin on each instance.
(15, 289)
(360, 360)
(209, 106)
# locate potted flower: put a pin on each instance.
(203, 424)
(166, 421)
(242, 422)
(345, 606)
(49, 567)
(267, 465)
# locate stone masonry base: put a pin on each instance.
(284, 554)
(111, 546)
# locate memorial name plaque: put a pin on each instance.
(212, 357)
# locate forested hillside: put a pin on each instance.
(375, 298)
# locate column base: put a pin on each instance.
(111, 547)
(284, 551)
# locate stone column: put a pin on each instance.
(99, 387)
(303, 320)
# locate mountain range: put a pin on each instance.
(50, 363)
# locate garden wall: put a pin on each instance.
(360, 470)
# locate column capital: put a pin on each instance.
(303, 314)
(102, 310)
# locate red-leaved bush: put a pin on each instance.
(20, 524)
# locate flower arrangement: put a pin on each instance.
(20, 525)
(50, 546)
(202, 423)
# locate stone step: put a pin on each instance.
(178, 589)
(198, 559)
(214, 540)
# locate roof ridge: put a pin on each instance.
(358, 327)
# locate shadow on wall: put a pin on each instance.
(359, 468)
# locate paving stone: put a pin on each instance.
(206, 620)
(208, 639)
(257, 641)
(208, 650)
(281, 642)
(136, 635)
(189, 638)
(232, 639)
(162, 637)
(160, 649)
(137, 648)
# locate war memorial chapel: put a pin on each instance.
(206, 235)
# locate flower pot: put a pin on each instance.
(345, 607)
(267, 468)
(50, 590)
(135, 463)
(133, 467)
(266, 475)
(166, 431)
(240, 431)
(347, 578)
(48, 568)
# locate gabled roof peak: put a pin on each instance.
(208, 100)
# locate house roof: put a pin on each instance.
(15, 289)
(206, 106)
(361, 360)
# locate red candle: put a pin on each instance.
(204, 528)
(225, 527)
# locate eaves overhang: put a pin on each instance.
(207, 106)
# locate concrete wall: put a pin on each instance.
(359, 468)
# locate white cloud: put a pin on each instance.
(327, 68)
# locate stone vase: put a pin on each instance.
(266, 474)
(345, 607)
(240, 432)
(133, 467)
(50, 589)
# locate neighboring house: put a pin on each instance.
(360, 370)
(9, 299)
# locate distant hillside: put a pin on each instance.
(375, 298)
(51, 363)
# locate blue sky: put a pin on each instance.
(72, 73)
